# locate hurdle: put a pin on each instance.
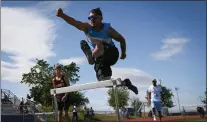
(88, 86)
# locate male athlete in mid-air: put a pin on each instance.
(99, 35)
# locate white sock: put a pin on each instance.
(154, 117)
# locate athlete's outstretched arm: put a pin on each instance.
(78, 24)
(118, 37)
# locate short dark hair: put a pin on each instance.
(154, 80)
(96, 11)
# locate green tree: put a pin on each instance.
(205, 100)
(40, 79)
(166, 97)
(123, 97)
(135, 104)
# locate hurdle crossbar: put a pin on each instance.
(86, 86)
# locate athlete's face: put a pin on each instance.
(94, 19)
(154, 82)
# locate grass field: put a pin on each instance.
(104, 117)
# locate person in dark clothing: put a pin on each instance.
(201, 111)
(60, 80)
(26, 106)
(86, 113)
(21, 106)
(75, 114)
(91, 114)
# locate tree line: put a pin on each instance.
(40, 79)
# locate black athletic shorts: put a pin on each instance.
(63, 105)
(103, 63)
(111, 55)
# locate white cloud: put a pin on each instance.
(7, 64)
(26, 36)
(139, 78)
(77, 60)
(98, 97)
(170, 47)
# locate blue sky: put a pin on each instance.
(164, 40)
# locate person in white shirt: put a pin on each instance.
(154, 98)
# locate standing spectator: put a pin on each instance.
(26, 106)
(21, 106)
(75, 114)
(123, 112)
(201, 111)
(127, 113)
(91, 113)
(86, 112)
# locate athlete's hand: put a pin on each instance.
(59, 12)
(123, 56)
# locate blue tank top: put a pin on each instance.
(101, 35)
